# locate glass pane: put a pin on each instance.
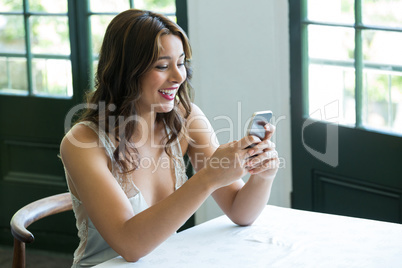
(50, 6)
(12, 34)
(340, 11)
(335, 43)
(173, 18)
(331, 93)
(382, 47)
(382, 103)
(50, 35)
(98, 29)
(13, 75)
(109, 6)
(382, 12)
(161, 6)
(6, 6)
(52, 77)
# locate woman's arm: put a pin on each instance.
(242, 203)
(134, 236)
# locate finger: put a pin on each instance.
(269, 131)
(257, 160)
(247, 141)
(265, 164)
(265, 145)
(271, 164)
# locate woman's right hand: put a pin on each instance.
(226, 165)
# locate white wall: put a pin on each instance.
(241, 65)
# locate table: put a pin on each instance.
(281, 237)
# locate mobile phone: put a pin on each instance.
(257, 123)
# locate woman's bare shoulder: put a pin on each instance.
(81, 152)
(81, 133)
(197, 118)
(79, 137)
(195, 110)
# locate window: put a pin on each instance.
(46, 45)
(352, 62)
(35, 48)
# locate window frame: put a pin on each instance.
(28, 55)
(301, 46)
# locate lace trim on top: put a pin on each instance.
(82, 227)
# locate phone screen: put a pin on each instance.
(256, 127)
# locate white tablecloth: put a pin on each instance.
(281, 237)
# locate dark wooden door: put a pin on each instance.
(30, 168)
(341, 169)
(41, 79)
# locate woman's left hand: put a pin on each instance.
(263, 161)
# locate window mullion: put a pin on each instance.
(78, 11)
(28, 46)
(181, 14)
(305, 60)
(358, 64)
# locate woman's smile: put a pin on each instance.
(168, 93)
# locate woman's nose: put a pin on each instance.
(178, 74)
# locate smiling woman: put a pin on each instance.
(129, 188)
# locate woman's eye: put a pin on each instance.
(161, 67)
(180, 64)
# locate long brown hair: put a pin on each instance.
(130, 48)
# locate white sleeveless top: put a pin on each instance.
(92, 248)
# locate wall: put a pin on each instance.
(241, 65)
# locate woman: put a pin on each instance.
(124, 159)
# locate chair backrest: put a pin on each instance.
(29, 214)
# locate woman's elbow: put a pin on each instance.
(134, 254)
(243, 222)
(131, 254)
(131, 257)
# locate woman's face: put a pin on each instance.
(161, 83)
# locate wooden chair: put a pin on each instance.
(29, 214)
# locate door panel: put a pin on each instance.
(32, 162)
(30, 168)
(367, 181)
(351, 197)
